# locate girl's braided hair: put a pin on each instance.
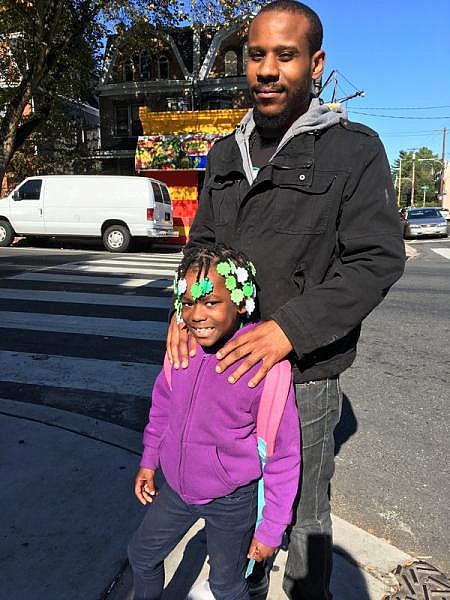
(202, 257)
(233, 265)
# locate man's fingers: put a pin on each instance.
(173, 336)
(262, 372)
(184, 346)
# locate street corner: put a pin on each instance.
(410, 251)
(418, 580)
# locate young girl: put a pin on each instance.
(202, 435)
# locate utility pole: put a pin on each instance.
(413, 177)
(441, 183)
(399, 181)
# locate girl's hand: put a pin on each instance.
(259, 551)
(144, 486)
(179, 345)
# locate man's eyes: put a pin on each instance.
(284, 56)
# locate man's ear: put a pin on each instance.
(317, 64)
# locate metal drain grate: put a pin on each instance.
(420, 581)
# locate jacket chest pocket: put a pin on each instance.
(302, 201)
(224, 195)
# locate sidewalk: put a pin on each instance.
(68, 511)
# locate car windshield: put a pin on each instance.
(426, 213)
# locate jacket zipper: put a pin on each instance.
(187, 420)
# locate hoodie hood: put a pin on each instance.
(318, 116)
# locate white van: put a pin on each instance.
(114, 208)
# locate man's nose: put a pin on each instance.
(268, 69)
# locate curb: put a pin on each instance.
(363, 562)
(410, 251)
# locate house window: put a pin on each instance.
(230, 63)
(121, 121)
(145, 69)
(129, 70)
(244, 57)
(127, 121)
(163, 67)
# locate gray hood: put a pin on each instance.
(317, 117)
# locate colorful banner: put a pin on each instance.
(174, 151)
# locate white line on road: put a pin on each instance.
(103, 326)
(163, 283)
(151, 259)
(94, 268)
(83, 298)
(91, 374)
(445, 252)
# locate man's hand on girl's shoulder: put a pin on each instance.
(180, 345)
(259, 551)
(266, 342)
(144, 486)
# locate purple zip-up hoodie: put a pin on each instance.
(202, 433)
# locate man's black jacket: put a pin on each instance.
(321, 225)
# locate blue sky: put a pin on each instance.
(398, 52)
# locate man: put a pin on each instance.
(308, 196)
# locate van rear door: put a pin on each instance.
(162, 212)
(27, 207)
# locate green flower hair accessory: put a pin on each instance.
(230, 283)
(206, 286)
(237, 296)
(252, 268)
(247, 289)
(223, 268)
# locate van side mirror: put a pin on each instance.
(16, 195)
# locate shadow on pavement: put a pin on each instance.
(347, 426)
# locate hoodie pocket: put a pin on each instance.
(302, 203)
(204, 476)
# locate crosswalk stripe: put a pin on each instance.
(162, 259)
(84, 298)
(103, 326)
(445, 252)
(93, 268)
(163, 283)
(90, 374)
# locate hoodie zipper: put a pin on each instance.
(187, 421)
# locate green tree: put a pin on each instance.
(51, 50)
(427, 164)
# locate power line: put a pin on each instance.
(396, 116)
(405, 107)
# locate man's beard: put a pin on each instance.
(275, 122)
(285, 118)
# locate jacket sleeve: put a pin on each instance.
(157, 422)
(281, 477)
(370, 257)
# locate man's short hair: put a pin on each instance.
(315, 31)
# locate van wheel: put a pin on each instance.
(6, 233)
(116, 238)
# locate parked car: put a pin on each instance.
(423, 222)
(112, 207)
(445, 213)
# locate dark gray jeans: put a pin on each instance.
(308, 567)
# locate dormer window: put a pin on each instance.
(230, 63)
(163, 67)
(244, 57)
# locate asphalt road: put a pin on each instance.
(392, 473)
(83, 330)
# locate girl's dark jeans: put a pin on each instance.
(230, 522)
